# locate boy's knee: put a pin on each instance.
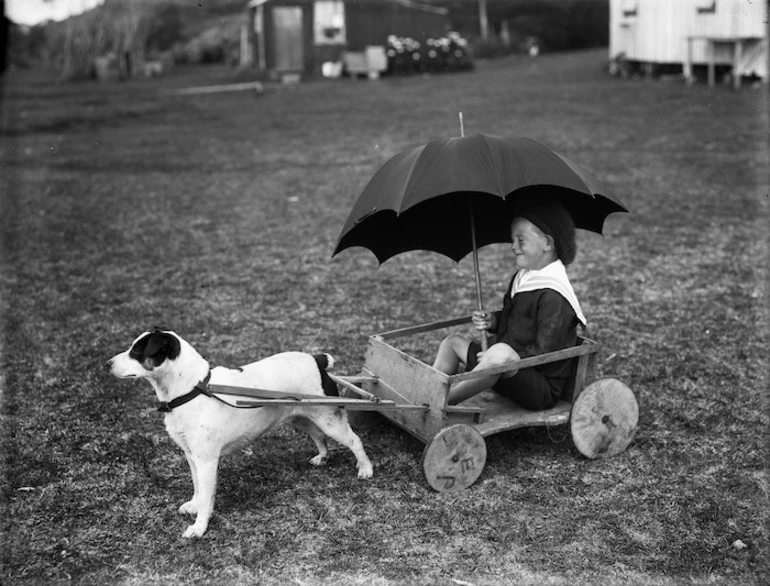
(457, 342)
(497, 354)
(452, 352)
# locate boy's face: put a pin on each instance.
(532, 249)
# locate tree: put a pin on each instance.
(166, 28)
(129, 27)
(483, 20)
(118, 26)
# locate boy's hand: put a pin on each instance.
(482, 320)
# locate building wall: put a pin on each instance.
(371, 23)
(655, 31)
(366, 23)
(305, 34)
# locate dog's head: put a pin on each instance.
(148, 353)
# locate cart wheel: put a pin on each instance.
(454, 459)
(604, 418)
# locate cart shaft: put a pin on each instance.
(348, 404)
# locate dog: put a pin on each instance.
(206, 426)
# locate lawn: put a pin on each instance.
(125, 206)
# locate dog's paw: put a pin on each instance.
(319, 460)
(188, 508)
(195, 530)
(365, 471)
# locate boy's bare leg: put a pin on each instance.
(497, 354)
(470, 388)
(452, 352)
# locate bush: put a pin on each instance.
(443, 55)
(491, 48)
(26, 45)
(166, 29)
(555, 25)
(212, 46)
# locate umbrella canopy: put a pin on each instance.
(454, 195)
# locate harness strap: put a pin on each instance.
(202, 388)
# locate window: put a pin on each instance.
(630, 8)
(329, 26)
(258, 20)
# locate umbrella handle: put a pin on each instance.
(476, 272)
(477, 276)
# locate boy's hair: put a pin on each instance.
(556, 222)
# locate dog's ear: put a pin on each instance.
(161, 345)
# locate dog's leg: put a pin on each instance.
(207, 485)
(319, 438)
(334, 423)
(191, 506)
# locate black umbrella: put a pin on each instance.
(454, 195)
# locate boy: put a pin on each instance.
(540, 314)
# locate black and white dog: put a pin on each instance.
(205, 427)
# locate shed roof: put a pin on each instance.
(413, 4)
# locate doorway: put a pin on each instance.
(288, 44)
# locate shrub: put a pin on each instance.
(443, 55)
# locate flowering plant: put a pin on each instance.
(442, 55)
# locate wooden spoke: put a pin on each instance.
(604, 418)
(455, 457)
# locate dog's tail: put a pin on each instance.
(326, 362)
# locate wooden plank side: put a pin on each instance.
(407, 380)
(581, 372)
(585, 348)
(585, 373)
(502, 414)
(419, 420)
(422, 382)
(428, 327)
(464, 414)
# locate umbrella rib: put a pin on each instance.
(493, 160)
(567, 163)
(410, 179)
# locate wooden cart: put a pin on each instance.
(603, 414)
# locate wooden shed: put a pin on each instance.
(692, 32)
(299, 36)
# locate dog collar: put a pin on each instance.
(202, 388)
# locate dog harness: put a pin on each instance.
(202, 388)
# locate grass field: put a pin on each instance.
(125, 207)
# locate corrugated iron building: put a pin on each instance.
(671, 31)
(298, 36)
